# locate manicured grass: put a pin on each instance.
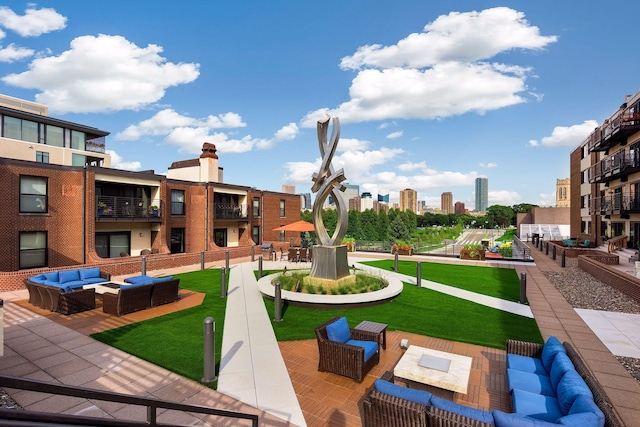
(420, 311)
(175, 341)
(495, 282)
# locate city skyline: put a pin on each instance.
(430, 96)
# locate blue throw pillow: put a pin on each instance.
(569, 388)
(456, 408)
(370, 347)
(40, 278)
(503, 419)
(583, 410)
(53, 276)
(526, 364)
(69, 276)
(89, 273)
(339, 330)
(139, 280)
(535, 405)
(417, 396)
(552, 347)
(561, 365)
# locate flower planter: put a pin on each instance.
(478, 255)
(402, 251)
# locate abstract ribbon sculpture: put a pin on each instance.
(329, 182)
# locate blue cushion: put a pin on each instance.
(74, 284)
(139, 280)
(569, 388)
(54, 284)
(552, 347)
(339, 330)
(38, 279)
(162, 279)
(69, 276)
(54, 276)
(561, 365)
(94, 280)
(503, 419)
(526, 364)
(530, 382)
(456, 408)
(417, 396)
(370, 347)
(89, 273)
(584, 405)
(535, 405)
(135, 285)
(583, 419)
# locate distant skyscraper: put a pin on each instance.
(446, 202)
(482, 194)
(349, 193)
(383, 195)
(409, 200)
(355, 203)
(289, 188)
(366, 202)
(459, 208)
(307, 201)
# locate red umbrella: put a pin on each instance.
(300, 226)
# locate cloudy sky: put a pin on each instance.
(430, 95)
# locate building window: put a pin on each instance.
(113, 245)
(256, 207)
(55, 136)
(77, 140)
(282, 211)
(177, 202)
(33, 194)
(177, 240)
(256, 234)
(33, 249)
(42, 157)
(281, 236)
(23, 130)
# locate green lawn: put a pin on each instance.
(495, 282)
(175, 341)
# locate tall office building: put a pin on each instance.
(409, 200)
(366, 202)
(383, 195)
(446, 202)
(482, 194)
(307, 201)
(459, 208)
(289, 188)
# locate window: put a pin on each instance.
(177, 202)
(55, 136)
(281, 236)
(23, 130)
(78, 159)
(282, 210)
(255, 234)
(33, 249)
(77, 140)
(42, 157)
(113, 245)
(33, 194)
(177, 240)
(256, 206)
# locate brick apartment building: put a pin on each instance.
(605, 178)
(65, 206)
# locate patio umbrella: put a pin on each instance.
(300, 226)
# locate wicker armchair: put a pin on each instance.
(345, 359)
(71, 302)
(127, 300)
(165, 292)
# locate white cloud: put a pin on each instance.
(567, 136)
(34, 22)
(101, 74)
(118, 163)
(410, 166)
(188, 133)
(395, 135)
(504, 197)
(352, 144)
(547, 199)
(440, 72)
(488, 165)
(14, 53)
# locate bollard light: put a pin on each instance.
(260, 266)
(223, 282)
(253, 253)
(419, 274)
(395, 262)
(523, 287)
(209, 350)
(202, 260)
(278, 303)
(144, 266)
(226, 259)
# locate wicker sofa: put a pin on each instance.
(352, 355)
(143, 292)
(388, 404)
(62, 291)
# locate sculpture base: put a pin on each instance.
(329, 262)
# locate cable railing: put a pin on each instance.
(12, 417)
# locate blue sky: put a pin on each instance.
(430, 95)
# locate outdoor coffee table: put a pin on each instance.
(448, 371)
(376, 328)
(106, 287)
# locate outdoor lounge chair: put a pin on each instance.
(342, 352)
(127, 300)
(586, 243)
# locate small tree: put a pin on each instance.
(398, 229)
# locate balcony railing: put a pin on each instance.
(114, 207)
(230, 211)
(615, 129)
(622, 162)
(617, 204)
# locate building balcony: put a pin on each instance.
(113, 208)
(230, 211)
(622, 204)
(615, 130)
(620, 165)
